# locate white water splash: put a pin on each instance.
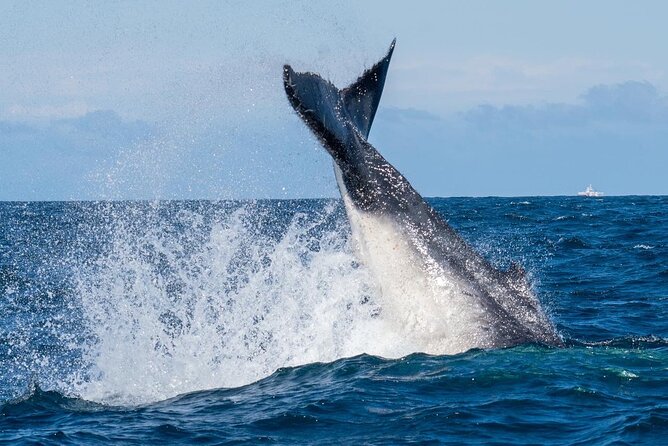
(177, 312)
(178, 304)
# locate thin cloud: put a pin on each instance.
(630, 103)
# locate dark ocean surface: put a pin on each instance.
(252, 322)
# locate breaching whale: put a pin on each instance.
(430, 280)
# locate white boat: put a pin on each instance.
(590, 192)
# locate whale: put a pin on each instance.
(431, 284)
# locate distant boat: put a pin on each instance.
(590, 192)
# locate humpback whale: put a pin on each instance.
(429, 278)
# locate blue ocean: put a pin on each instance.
(252, 322)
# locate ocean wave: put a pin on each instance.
(573, 243)
(565, 217)
(628, 342)
(244, 322)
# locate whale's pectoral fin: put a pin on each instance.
(517, 278)
(516, 271)
(517, 275)
(361, 98)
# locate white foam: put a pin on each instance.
(170, 312)
(170, 315)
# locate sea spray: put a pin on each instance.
(161, 298)
(609, 301)
(204, 301)
(188, 296)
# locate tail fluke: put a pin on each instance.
(361, 98)
(317, 102)
(327, 110)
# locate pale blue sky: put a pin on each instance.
(184, 99)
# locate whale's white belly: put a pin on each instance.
(420, 299)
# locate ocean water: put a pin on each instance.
(252, 322)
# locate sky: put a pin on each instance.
(144, 100)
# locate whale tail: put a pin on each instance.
(326, 109)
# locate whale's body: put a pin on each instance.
(429, 278)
